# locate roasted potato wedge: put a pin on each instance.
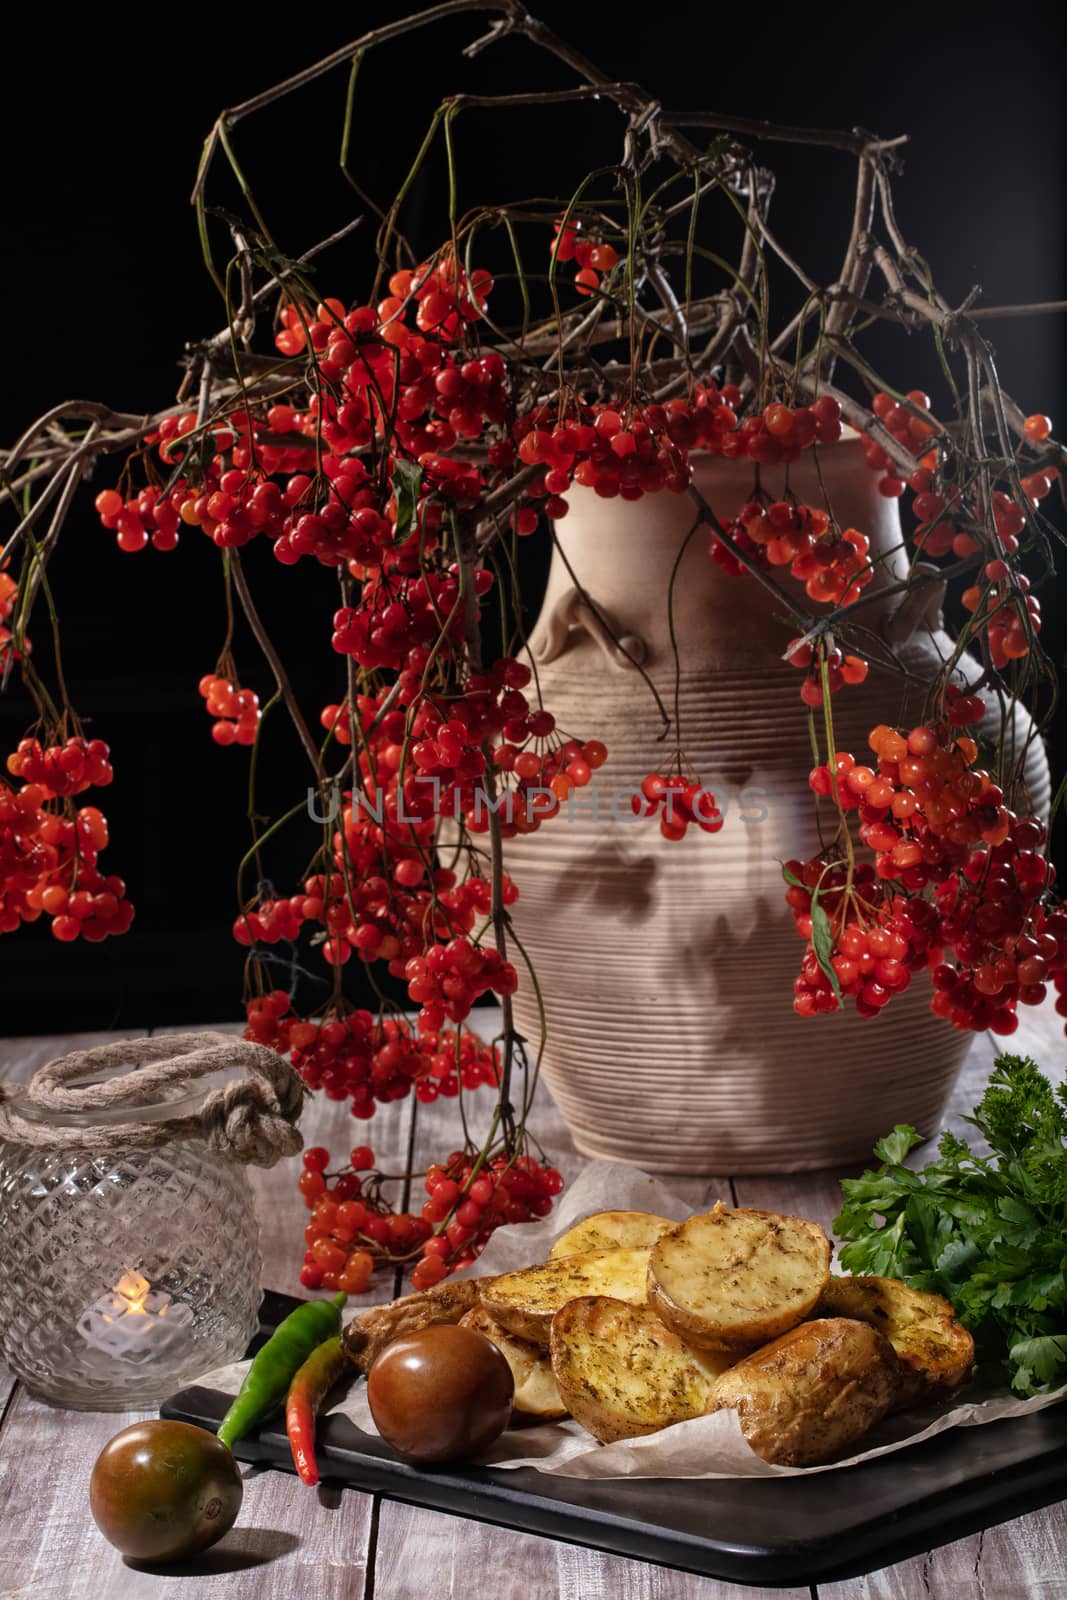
(536, 1393)
(935, 1351)
(811, 1394)
(612, 1230)
(525, 1302)
(733, 1279)
(622, 1373)
(368, 1333)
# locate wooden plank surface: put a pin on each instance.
(341, 1543)
(1018, 1560)
(423, 1552)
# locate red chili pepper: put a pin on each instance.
(307, 1391)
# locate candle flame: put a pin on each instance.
(134, 1288)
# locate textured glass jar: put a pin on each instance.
(125, 1275)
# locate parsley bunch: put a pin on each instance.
(989, 1233)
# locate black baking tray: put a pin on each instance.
(769, 1531)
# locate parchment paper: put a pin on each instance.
(707, 1447)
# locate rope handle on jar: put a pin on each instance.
(252, 1120)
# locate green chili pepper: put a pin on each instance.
(267, 1379)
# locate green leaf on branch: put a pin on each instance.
(407, 480)
(822, 942)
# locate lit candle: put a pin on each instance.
(135, 1323)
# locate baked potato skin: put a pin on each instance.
(536, 1393)
(731, 1280)
(811, 1394)
(935, 1350)
(525, 1302)
(622, 1373)
(367, 1335)
(612, 1230)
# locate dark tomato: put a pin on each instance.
(164, 1490)
(442, 1394)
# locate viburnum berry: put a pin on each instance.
(371, 1062)
(236, 710)
(679, 803)
(958, 884)
(351, 1231)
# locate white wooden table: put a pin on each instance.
(291, 1542)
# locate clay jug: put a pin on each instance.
(667, 967)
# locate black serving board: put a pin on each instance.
(770, 1531)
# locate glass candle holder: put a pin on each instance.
(127, 1274)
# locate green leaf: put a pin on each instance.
(988, 1232)
(822, 942)
(898, 1144)
(1045, 1357)
(929, 1229)
(407, 480)
(957, 1258)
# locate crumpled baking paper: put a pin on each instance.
(706, 1447)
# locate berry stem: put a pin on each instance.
(281, 677)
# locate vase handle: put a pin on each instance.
(626, 651)
(920, 608)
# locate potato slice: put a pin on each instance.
(935, 1350)
(734, 1279)
(525, 1302)
(811, 1394)
(612, 1230)
(622, 1373)
(536, 1393)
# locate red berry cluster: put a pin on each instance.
(879, 939)
(948, 523)
(678, 802)
(271, 921)
(909, 430)
(146, 515)
(1011, 614)
(467, 1199)
(1007, 946)
(371, 1061)
(48, 865)
(832, 566)
(396, 614)
(961, 709)
(449, 978)
(922, 805)
(625, 452)
(236, 710)
(62, 769)
(936, 821)
(591, 257)
(353, 1228)
(840, 669)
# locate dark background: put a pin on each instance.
(103, 284)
